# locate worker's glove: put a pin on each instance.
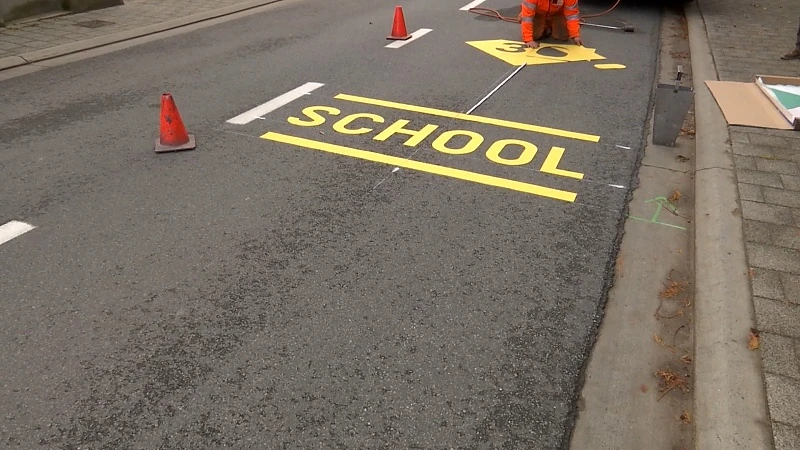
(577, 40)
(532, 44)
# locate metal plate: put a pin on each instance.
(670, 113)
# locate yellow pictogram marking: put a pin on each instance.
(518, 54)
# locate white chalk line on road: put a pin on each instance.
(496, 88)
(261, 110)
(471, 5)
(13, 229)
(414, 36)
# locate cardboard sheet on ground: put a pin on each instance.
(768, 102)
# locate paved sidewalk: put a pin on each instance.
(747, 38)
(23, 37)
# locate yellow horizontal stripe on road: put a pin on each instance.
(470, 118)
(422, 166)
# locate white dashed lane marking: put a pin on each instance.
(414, 36)
(284, 99)
(471, 5)
(13, 229)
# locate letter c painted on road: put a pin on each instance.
(346, 120)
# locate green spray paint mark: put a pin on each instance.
(661, 203)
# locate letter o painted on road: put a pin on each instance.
(528, 152)
(440, 144)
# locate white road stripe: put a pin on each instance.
(414, 36)
(13, 229)
(471, 5)
(281, 100)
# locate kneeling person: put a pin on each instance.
(543, 18)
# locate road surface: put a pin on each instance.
(369, 261)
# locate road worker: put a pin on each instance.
(794, 54)
(543, 18)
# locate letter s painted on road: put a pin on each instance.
(312, 114)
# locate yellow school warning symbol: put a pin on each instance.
(517, 54)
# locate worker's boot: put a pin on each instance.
(794, 54)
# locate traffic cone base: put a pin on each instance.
(399, 32)
(172, 134)
(189, 145)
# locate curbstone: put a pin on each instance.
(12, 61)
(730, 404)
(113, 38)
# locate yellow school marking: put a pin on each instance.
(341, 124)
(517, 54)
(467, 117)
(551, 164)
(422, 166)
(417, 136)
(440, 144)
(528, 152)
(609, 66)
(494, 153)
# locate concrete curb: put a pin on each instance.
(12, 61)
(100, 41)
(730, 407)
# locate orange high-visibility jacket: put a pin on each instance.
(549, 8)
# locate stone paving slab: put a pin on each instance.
(27, 36)
(748, 38)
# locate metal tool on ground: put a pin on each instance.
(399, 32)
(672, 105)
(628, 28)
(173, 135)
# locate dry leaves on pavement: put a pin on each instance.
(671, 380)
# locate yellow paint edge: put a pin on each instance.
(469, 117)
(610, 66)
(422, 166)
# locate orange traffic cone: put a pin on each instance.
(399, 32)
(173, 135)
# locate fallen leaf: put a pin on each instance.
(754, 339)
(661, 342)
(686, 417)
(643, 388)
(671, 380)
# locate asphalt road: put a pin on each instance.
(262, 294)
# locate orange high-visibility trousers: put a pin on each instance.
(562, 16)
